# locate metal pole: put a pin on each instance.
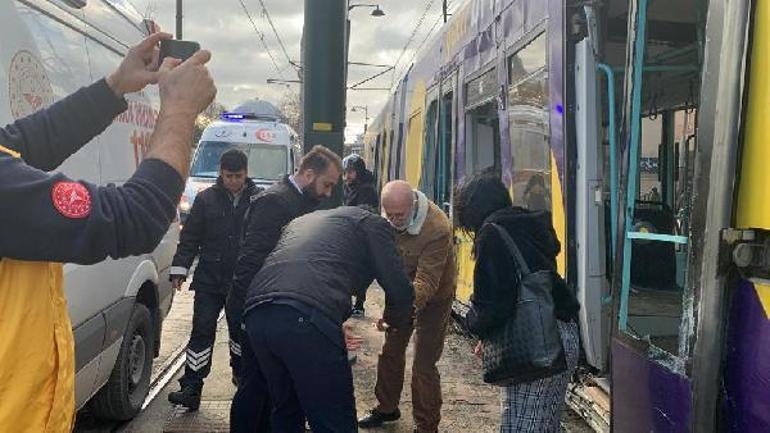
(633, 151)
(613, 134)
(179, 19)
(324, 57)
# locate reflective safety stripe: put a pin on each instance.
(198, 360)
(235, 348)
(13, 153)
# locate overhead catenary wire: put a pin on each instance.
(379, 74)
(417, 50)
(266, 13)
(261, 37)
(412, 36)
(425, 39)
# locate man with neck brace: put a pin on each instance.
(424, 240)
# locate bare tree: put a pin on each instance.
(290, 108)
(204, 119)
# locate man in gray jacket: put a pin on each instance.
(298, 301)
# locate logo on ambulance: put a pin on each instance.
(266, 135)
(29, 88)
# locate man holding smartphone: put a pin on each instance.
(50, 219)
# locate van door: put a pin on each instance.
(108, 286)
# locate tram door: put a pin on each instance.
(481, 153)
(650, 345)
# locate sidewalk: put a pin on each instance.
(469, 404)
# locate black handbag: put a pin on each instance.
(528, 347)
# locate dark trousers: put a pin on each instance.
(200, 348)
(250, 411)
(308, 375)
(360, 295)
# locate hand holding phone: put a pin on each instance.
(181, 50)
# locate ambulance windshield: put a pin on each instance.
(266, 161)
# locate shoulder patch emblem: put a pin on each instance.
(71, 199)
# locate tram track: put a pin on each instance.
(160, 378)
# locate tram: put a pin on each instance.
(639, 125)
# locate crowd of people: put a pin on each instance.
(284, 271)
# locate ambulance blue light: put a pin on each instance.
(233, 117)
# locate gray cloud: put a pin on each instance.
(241, 66)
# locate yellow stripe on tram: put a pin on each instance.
(558, 216)
(754, 194)
(763, 293)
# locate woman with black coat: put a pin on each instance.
(531, 406)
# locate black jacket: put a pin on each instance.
(212, 232)
(49, 217)
(323, 256)
(495, 278)
(362, 191)
(267, 216)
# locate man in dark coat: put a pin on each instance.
(212, 233)
(319, 172)
(360, 190)
(298, 302)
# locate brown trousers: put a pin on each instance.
(430, 326)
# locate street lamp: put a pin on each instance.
(377, 12)
(357, 108)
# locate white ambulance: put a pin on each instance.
(271, 146)
(49, 49)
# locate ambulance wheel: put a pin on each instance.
(122, 396)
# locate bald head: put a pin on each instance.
(397, 203)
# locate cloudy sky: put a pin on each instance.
(241, 65)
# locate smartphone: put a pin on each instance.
(181, 50)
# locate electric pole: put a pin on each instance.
(323, 82)
(444, 9)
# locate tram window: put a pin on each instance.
(528, 120)
(649, 175)
(444, 157)
(528, 60)
(384, 158)
(427, 178)
(482, 139)
(658, 269)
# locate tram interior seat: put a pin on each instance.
(655, 306)
(654, 263)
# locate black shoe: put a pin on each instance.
(188, 397)
(376, 419)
